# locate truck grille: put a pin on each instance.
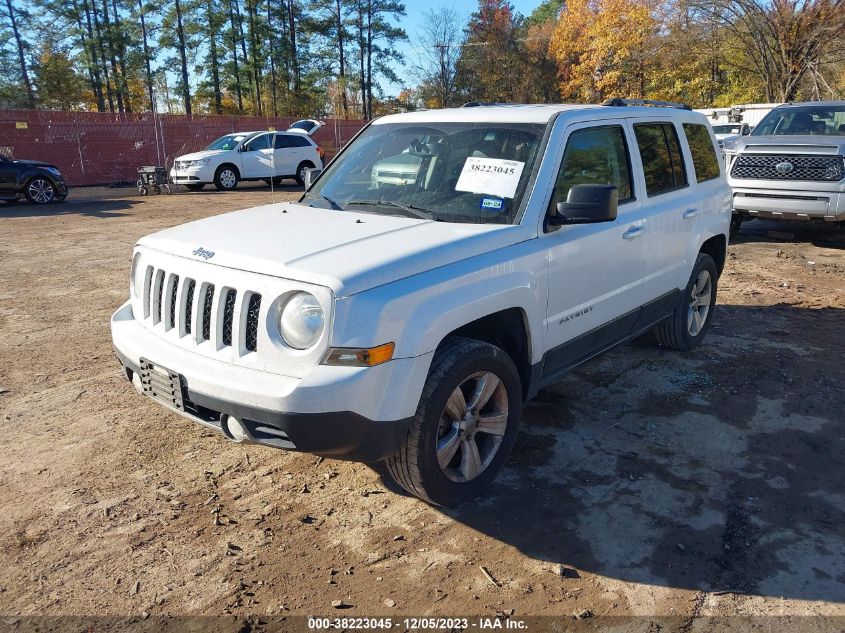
(795, 167)
(173, 299)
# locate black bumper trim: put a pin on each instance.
(337, 434)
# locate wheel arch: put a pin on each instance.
(228, 164)
(716, 247)
(506, 329)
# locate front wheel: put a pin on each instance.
(40, 191)
(686, 327)
(226, 178)
(465, 425)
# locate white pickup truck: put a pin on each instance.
(792, 166)
(409, 319)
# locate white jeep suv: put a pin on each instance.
(262, 155)
(409, 320)
(792, 166)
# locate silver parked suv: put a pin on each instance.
(792, 166)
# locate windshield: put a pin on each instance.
(726, 129)
(453, 172)
(227, 142)
(815, 120)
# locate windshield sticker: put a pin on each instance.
(491, 176)
(491, 204)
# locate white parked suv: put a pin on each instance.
(409, 322)
(261, 155)
(792, 166)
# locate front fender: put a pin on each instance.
(418, 312)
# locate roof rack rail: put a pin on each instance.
(477, 104)
(617, 102)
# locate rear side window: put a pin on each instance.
(660, 150)
(704, 157)
(298, 141)
(595, 156)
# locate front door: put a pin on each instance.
(596, 271)
(257, 157)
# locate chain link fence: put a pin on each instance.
(101, 148)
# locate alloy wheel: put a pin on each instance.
(472, 426)
(699, 305)
(41, 191)
(227, 178)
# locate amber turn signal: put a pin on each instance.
(360, 357)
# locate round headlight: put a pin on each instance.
(301, 321)
(133, 282)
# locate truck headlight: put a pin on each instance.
(134, 286)
(301, 321)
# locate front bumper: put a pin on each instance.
(324, 413)
(192, 175)
(793, 204)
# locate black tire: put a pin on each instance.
(40, 190)
(736, 223)
(415, 467)
(682, 330)
(195, 187)
(226, 177)
(61, 198)
(300, 174)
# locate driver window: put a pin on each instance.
(259, 142)
(595, 156)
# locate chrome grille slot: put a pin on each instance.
(148, 284)
(228, 316)
(189, 305)
(208, 299)
(795, 167)
(251, 334)
(157, 294)
(172, 286)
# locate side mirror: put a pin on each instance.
(587, 204)
(311, 175)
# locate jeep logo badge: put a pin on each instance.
(201, 252)
(785, 168)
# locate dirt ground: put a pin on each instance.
(659, 484)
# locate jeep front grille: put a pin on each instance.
(795, 167)
(189, 305)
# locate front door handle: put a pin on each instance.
(690, 213)
(634, 231)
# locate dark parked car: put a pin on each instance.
(39, 182)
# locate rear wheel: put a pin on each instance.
(465, 424)
(40, 191)
(686, 327)
(195, 187)
(226, 178)
(304, 166)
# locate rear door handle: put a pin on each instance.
(690, 213)
(634, 231)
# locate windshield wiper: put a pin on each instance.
(410, 209)
(333, 204)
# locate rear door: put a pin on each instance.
(672, 203)
(306, 126)
(287, 153)
(596, 271)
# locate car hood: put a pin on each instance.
(348, 252)
(206, 153)
(799, 144)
